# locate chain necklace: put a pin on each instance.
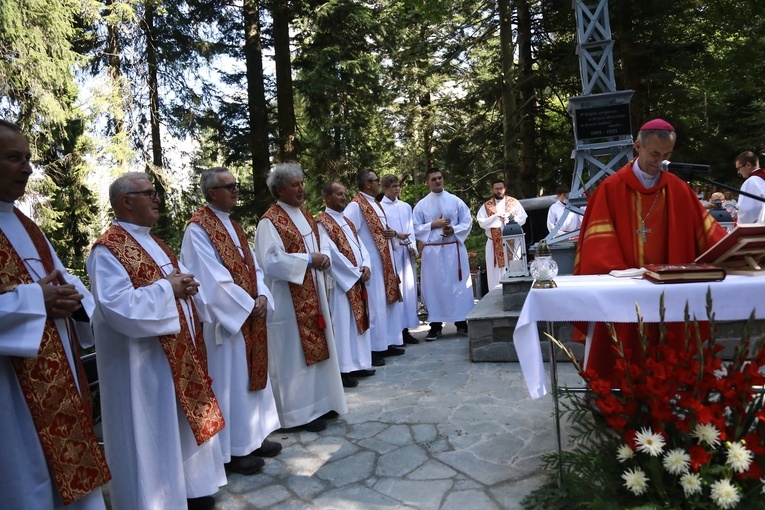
(643, 231)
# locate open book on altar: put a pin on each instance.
(740, 252)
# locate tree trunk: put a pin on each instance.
(631, 69)
(115, 73)
(528, 101)
(425, 101)
(163, 225)
(509, 102)
(256, 103)
(284, 92)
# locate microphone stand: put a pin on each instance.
(687, 175)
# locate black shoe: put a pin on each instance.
(433, 334)
(348, 381)
(316, 425)
(268, 449)
(363, 373)
(203, 503)
(378, 361)
(329, 415)
(394, 351)
(462, 327)
(408, 338)
(247, 465)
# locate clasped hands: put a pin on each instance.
(445, 224)
(61, 299)
(184, 285)
(319, 261)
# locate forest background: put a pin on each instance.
(476, 87)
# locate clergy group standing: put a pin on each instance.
(295, 255)
(350, 270)
(160, 416)
(442, 222)
(383, 287)
(215, 248)
(43, 317)
(493, 215)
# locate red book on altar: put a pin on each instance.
(679, 273)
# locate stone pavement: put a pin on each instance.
(430, 430)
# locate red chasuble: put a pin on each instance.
(305, 297)
(627, 225)
(392, 292)
(355, 293)
(186, 355)
(61, 414)
(511, 206)
(244, 274)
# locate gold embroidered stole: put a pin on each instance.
(355, 293)
(61, 414)
(305, 297)
(244, 274)
(392, 292)
(188, 363)
(496, 233)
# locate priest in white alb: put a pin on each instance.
(302, 358)
(383, 288)
(442, 222)
(216, 250)
(350, 269)
(43, 316)
(492, 217)
(160, 416)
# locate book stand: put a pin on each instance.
(740, 252)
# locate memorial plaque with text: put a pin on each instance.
(604, 121)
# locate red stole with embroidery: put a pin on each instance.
(244, 274)
(305, 297)
(61, 414)
(392, 292)
(186, 355)
(355, 294)
(511, 205)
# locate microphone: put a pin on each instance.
(684, 167)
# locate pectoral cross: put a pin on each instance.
(643, 231)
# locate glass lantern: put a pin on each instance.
(514, 249)
(543, 268)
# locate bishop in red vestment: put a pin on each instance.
(641, 215)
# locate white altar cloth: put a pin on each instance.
(603, 298)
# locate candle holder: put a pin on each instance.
(543, 268)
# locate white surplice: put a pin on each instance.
(250, 415)
(354, 351)
(25, 482)
(497, 220)
(399, 215)
(302, 392)
(149, 444)
(384, 319)
(447, 298)
(749, 209)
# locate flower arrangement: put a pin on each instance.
(675, 427)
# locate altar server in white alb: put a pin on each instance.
(572, 222)
(350, 270)
(492, 217)
(216, 250)
(302, 358)
(383, 287)
(160, 416)
(43, 313)
(442, 222)
(399, 215)
(750, 210)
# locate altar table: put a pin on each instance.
(604, 298)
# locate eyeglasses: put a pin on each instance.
(151, 193)
(373, 180)
(394, 186)
(230, 187)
